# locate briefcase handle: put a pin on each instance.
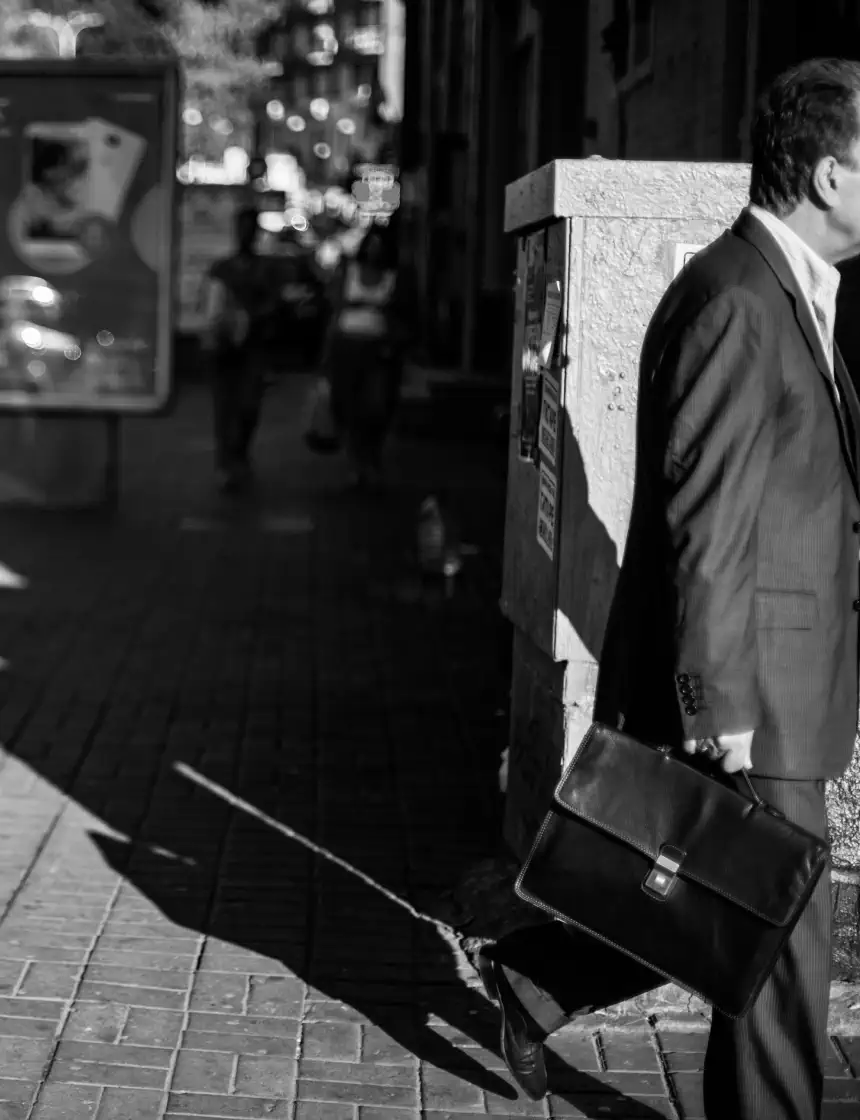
(745, 787)
(740, 780)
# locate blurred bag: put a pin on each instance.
(321, 434)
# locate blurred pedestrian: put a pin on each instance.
(239, 300)
(362, 356)
(303, 319)
(734, 627)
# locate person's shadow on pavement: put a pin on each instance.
(249, 880)
(353, 942)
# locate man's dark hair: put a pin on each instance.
(806, 114)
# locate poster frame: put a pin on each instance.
(161, 400)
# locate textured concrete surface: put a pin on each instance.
(599, 187)
(843, 808)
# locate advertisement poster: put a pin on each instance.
(87, 184)
(534, 307)
(547, 501)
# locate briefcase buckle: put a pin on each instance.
(664, 874)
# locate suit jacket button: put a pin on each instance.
(690, 710)
(683, 678)
(856, 526)
(856, 604)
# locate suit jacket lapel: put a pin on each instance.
(755, 233)
(852, 408)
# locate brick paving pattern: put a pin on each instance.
(246, 753)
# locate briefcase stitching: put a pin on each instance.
(815, 870)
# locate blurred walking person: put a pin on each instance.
(362, 355)
(239, 298)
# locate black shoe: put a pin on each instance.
(522, 1040)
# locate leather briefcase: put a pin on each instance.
(672, 867)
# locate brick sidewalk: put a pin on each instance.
(246, 757)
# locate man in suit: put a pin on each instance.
(734, 627)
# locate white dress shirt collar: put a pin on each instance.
(818, 281)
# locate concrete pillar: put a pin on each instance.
(612, 233)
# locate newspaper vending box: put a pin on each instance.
(598, 243)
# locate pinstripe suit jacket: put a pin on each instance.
(737, 603)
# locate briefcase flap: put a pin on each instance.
(645, 797)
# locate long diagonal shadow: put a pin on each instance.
(254, 892)
(274, 892)
(316, 887)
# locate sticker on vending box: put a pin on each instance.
(551, 316)
(531, 397)
(683, 253)
(547, 502)
(549, 418)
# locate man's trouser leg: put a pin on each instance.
(225, 404)
(557, 973)
(770, 1064)
(249, 407)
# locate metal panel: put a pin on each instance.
(530, 573)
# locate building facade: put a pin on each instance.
(495, 88)
(482, 106)
(337, 94)
(679, 80)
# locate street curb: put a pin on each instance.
(674, 1010)
(671, 1008)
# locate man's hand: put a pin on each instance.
(734, 751)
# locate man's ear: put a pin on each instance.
(825, 182)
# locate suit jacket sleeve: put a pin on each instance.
(723, 397)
